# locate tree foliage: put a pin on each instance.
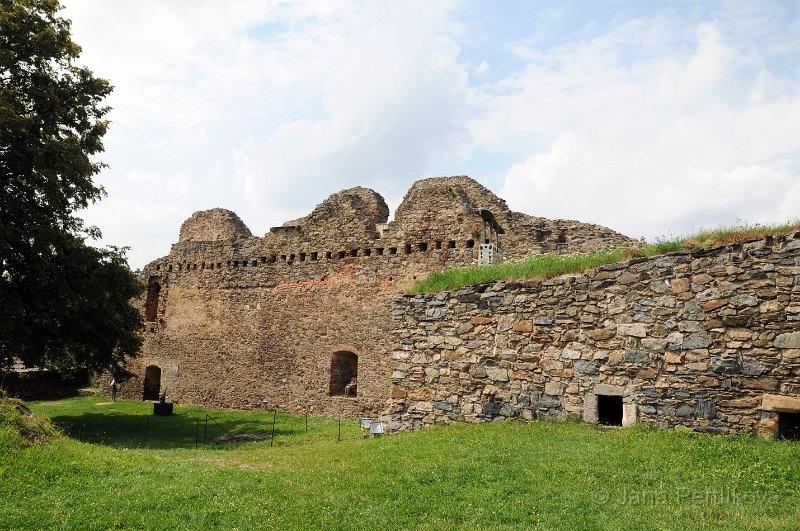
(63, 303)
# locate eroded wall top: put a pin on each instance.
(212, 225)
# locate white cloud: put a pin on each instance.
(661, 142)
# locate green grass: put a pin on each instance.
(487, 476)
(549, 266)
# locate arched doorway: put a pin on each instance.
(152, 383)
(344, 374)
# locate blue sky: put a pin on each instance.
(652, 118)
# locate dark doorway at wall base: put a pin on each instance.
(789, 426)
(609, 410)
(152, 383)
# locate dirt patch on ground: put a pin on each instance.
(244, 437)
(104, 403)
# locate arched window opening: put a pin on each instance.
(152, 383)
(151, 305)
(344, 374)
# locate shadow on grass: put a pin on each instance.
(180, 430)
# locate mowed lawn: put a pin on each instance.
(103, 474)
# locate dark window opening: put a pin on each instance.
(211, 265)
(451, 244)
(291, 257)
(169, 268)
(422, 246)
(789, 426)
(328, 255)
(609, 410)
(263, 259)
(367, 252)
(152, 383)
(180, 267)
(344, 374)
(408, 248)
(341, 254)
(236, 263)
(354, 252)
(255, 263)
(470, 244)
(302, 257)
(219, 265)
(392, 250)
(438, 244)
(151, 305)
(158, 268)
(202, 266)
(283, 258)
(244, 263)
(314, 257)
(194, 267)
(379, 251)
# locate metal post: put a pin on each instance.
(274, 415)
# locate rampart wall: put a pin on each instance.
(706, 339)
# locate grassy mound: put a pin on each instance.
(19, 425)
(549, 266)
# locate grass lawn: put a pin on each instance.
(549, 266)
(103, 475)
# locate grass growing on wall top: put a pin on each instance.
(549, 265)
(500, 475)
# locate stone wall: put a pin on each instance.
(707, 339)
(246, 322)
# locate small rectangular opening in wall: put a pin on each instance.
(283, 258)
(438, 244)
(158, 268)
(263, 259)
(470, 244)
(302, 257)
(789, 426)
(219, 265)
(255, 263)
(353, 252)
(202, 266)
(451, 244)
(609, 410)
(194, 267)
(236, 263)
(244, 263)
(367, 251)
(392, 250)
(379, 251)
(328, 255)
(273, 258)
(291, 257)
(422, 246)
(341, 254)
(180, 267)
(314, 257)
(408, 248)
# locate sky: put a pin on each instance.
(651, 118)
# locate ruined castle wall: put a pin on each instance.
(246, 322)
(707, 339)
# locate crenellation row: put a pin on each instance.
(290, 258)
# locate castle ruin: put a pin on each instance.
(302, 316)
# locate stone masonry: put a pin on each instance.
(707, 339)
(240, 321)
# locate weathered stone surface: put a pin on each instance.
(790, 340)
(635, 330)
(673, 362)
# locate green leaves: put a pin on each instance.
(62, 303)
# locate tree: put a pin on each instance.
(63, 303)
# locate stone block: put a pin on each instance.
(497, 374)
(480, 320)
(554, 388)
(679, 285)
(781, 403)
(789, 340)
(633, 330)
(522, 326)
